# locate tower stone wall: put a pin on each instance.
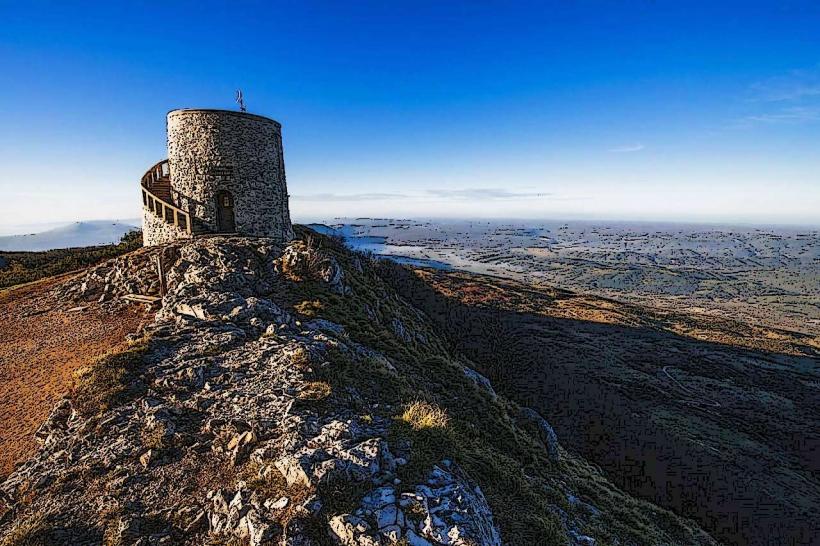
(156, 231)
(214, 153)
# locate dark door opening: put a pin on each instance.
(225, 221)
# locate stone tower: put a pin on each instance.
(225, 173)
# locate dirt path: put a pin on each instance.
(40, 348)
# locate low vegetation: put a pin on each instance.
(314, 390)
(309, 308)
(392, 366)
(423, 415)
(110, 381)
(438, 412)
(22, 267)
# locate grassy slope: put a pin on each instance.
(713, 418)
(510, 466)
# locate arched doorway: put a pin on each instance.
(225, 220)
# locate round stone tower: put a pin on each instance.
(225, 174)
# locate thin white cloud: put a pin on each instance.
(791, 98)
(629, 148)
(463, 194)
(485, 194)
(796, 85)
(349, 196)
(797, 114)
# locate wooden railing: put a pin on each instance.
(157, 179)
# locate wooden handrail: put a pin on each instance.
(168, 212)
(156, 172)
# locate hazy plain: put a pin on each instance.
(765, 275)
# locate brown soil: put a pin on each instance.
(41, 347)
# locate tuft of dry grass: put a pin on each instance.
(110, 381)
(300, 358)
(421, 415)
(315, 390)
(223, 539)
(307, 262)
(268, 483)
(415, 512)
(309, 308)
(155, 437)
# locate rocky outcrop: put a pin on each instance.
(220, 444)
(480, 381)
(133, 273)
(446, 509)
(303, 261)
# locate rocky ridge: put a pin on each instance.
(252, 411)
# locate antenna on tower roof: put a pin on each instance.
(240, 101)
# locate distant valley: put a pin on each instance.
(766, 275)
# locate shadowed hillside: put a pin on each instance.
(714, 419)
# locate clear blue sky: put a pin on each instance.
(574, 109)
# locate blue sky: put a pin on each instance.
(609, 110)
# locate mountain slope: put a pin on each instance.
(22, 267)
(78, 234)
(713, 418)
(42, 346)
(290, 396)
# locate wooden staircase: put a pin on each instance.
(158, 199)
(162, 189)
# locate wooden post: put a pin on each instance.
(161, 273)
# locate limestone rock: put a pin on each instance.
(532, 420)
(56, 423)
(352, 531)
(300, 261)
(480, 381)
(448, 510)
